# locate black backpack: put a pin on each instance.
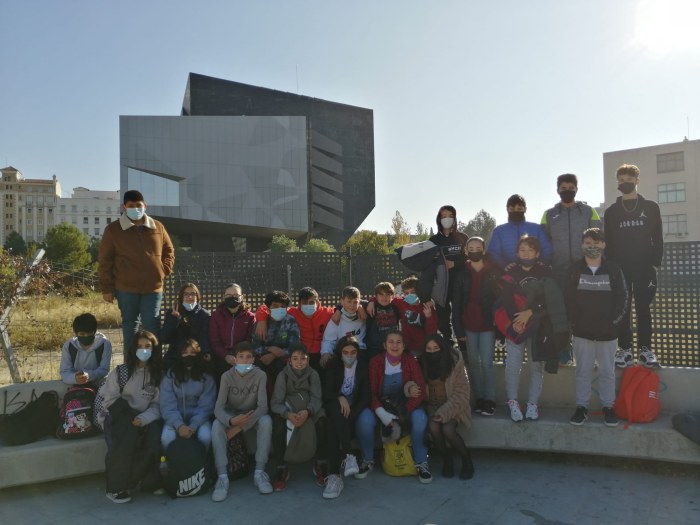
(188, 473)
(77, 414)
(37, 419)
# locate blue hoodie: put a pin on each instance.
(504, 241)
(190, 403)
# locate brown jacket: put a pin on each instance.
(134, 258)
(457, 404)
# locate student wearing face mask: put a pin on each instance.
(596, 299)
(136, 255)
(564, 224)
(186, 320)
(451, 242)
(504, 241)
(635, 241)
(86, 357)
(128, 410)
(312, 318)
(187, 397)
(231, 323)
(282, 333)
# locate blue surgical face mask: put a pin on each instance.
(135, 214)
(189, 306)
(243, 369)
(278, 313)
(308, 309)
(143, 354)
(410, 298)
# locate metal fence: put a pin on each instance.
(675, 311)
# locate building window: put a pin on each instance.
(74, 208)
(29, 222)
(40, 210)
(50, 210)
(97, 231)
(109, 209)
(63, 208)
(86, 231)
(74, 220)
(161, 191)
(30, 199)
(668, 162)
(97, 220)
(672, 192)
(675, 224)
(85, 220)
(29, 210)
(109, 220)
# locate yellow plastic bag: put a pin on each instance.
(398, 459)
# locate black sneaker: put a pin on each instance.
(119, 497)
(489, 408)
(579, 416)
(467, 470)
(609, 417)
(424, 475)
(479, 406)
(365, 468)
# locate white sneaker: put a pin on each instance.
(624, 358)
(647, 358)
(532, 413)
(334, 486)
(220, 489)
(349, 465)
(262, 481)
(515, 412)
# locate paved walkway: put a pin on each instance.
(508, 488)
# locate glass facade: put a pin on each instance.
(158, 191)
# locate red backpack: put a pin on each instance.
(638, 399)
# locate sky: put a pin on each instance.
(473, 100)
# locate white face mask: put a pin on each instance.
(447, 222)
(189, 306)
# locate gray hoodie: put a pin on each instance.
(239, 394)
(139, 392)
(85, 360)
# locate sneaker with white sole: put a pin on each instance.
(349, 466)
(119, 497)
(579, 416)
(532, 413)
(609, 417)
(647, 358)
(220, 489)
(365, 468)
(262, 481)
(624, 358)
(424, 475)
(334, 486)
(515, 412)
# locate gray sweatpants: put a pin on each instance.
(587, 352)
(514, 364)
(260, 434)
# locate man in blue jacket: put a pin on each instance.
(504, 241)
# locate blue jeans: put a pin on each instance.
(139, 306)
(366, 421)
(170, 433)
(480, 348)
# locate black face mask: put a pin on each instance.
(189, 360)
(432, 357)
(86, 340)
(626, 187)
(567, 196)
(232, 302)
(475, 256)
(516, 216)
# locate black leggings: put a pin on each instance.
(446, 433)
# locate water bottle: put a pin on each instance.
(163, 467)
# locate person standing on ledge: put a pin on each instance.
(136, 254)
(635, 241)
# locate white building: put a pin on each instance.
(670, 175)
(88, 210)
(27, 206)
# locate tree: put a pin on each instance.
(15, 244)
(66, 244)
(318, 246)
(481, 225)
(422, 233)
(283, 244)
(367, 242)
(94, 248)
(400, 229)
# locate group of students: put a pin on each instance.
(331, 373)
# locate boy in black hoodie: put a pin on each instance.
(635, 242)
(596, 298)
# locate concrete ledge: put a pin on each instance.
(553, 433)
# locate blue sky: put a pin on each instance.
(472, 100)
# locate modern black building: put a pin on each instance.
(243, 163)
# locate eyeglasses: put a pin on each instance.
(189, 294)
(234, 296)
